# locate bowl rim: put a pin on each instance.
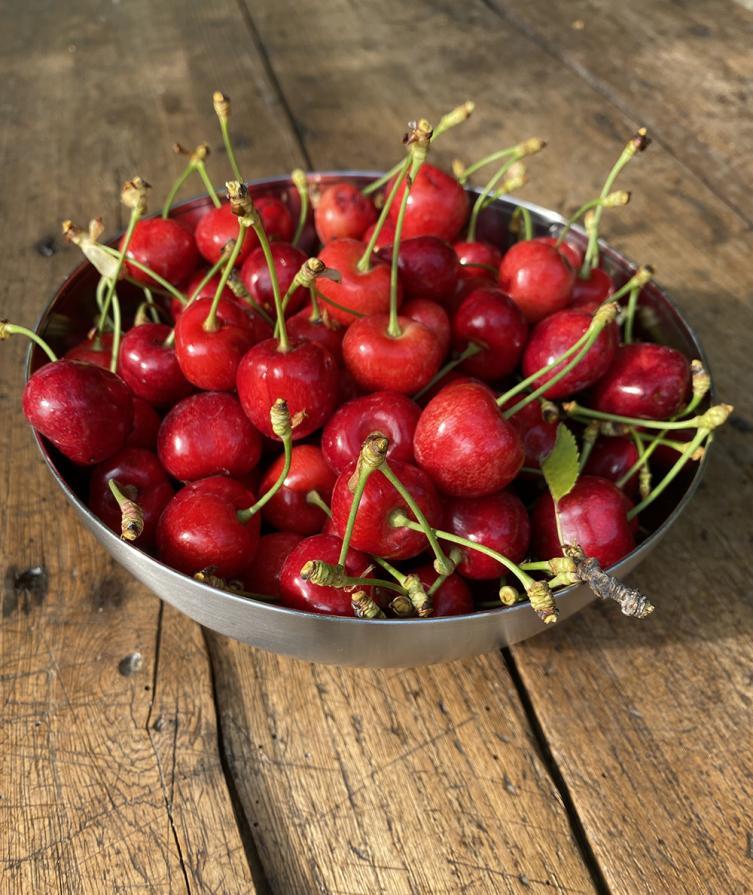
(554, 220)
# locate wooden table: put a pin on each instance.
(141, 754)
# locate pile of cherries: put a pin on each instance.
(349, 408)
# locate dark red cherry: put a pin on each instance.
(288, 510)
(380, 362)
(208, 434)
(593, 515)
(324, 331)
(437, 205)
(489, 318)
(372, 531)
(554, 335)
(220, 226)
(645, 380)
(389, 413)
(364, 293)
(140, 477)
(263, 575)
(95, 349)
(537, 434)
(572, 252)
(537, 277)
(452, 597)
(386, 234)
(163, 246)
(199, 528)
(498, 521)
(478, 259)
(146, 423)
(611, 458)
(255, 276)
(434, 318)
(428, 267)
(149, 367)
(84, 410)
(306, 376)
(465, 444)
(594, 289)
(296, 593)
(210, 359)
(343, 210)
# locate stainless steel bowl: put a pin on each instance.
(349, 641)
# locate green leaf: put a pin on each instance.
(560, 467)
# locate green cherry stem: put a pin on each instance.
(590, 434)
(131, 514)
(481, 199)
(486, 160)
(306, 277)
(327, 574)
(364, 262)
(385, 178)
(522, 213)
(201, 169)
(453, 118)
(281, 426)
(372, 456)
(316, 311)
(206, 278)
(175, 188)
(153, 309)
(211, 324)
(117, 331)
(315, 499)
(222, 110)
(195, 163)
(470, 350)
(632, 304)
(136, 211)
(621, 197)
(13, 329)
(168, 287)
(336, 304)
(300, 182)
(715, 416)
(239, 291)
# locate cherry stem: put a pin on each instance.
(13, 329)
(112, 281)
(372, 456)
(487, 160)
(131, 514)
(574, 218)
(336, 304)
(390, 569)
(205, 279)
(168, 287)
(590, 434)
(364, 262)
(222, 110)
(117, 331)
(201, 169)
(211, 324)
(316, 311)
(282, 428)
(521, 212)
(385, 178)
(485, 193)
(326, 574)
(283, 344)
(153, 309)
(572, 408)
(175, 188)
(470, 350)
(630, 314)
(239, 291)
(438, 582)
(300, 182)
(314, 498)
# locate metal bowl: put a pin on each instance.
(329, 639)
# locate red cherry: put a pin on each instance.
(324, 331)
(386, 234)
(437, 205)
(149, 367)
(428, 267)
(478, 259)
(210, 359)
(146, 423)
(255, 275)
(645, 380)
(132, 468)
(464, 288)
(372, 531)
(611, 458)
(593, 515)
(537, 277)
(465, 444)
(263, 575)
(492, 319)
(220, 226)
(200, 528)
(538, 435)
(343, 210)
(84, 410)
(554, 335)
(380, 361)
(306, 376)
(434, 318)
(365, 293)
(390, 413)
(288, 509)
(594, 289)
(95, 349)
(163, 246)
(296, 593)
(208, 434)
(498, 521)
(276, 217)
(452, 597)
(572, 252)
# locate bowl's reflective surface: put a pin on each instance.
(337, 640)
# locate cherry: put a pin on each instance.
(363, 292)
(84, 410)
(377, 360)
(386, 235)
(95, 349)
(553, 336)
(537, 434)
(572, 253)
(199, 528)
(149, 367)
(644, 380)
(263, 575)
(478, 259)
(434, 318)
(489, 318)
(465, 444)
(288, 509)
(437, 205)
(428, 267)
(220, 226)
(322, 329)
(146, 423)
(139, 475)
(210, 359)
(452, 597)
(343, 210)
(373, 531)
(164, 247)
(537, 277)
(465, 286)
(305, 375)
(208, 289)
(208, 434)
(390, 413)
(298, 593)
(611, 458)
(593, 289)
(255, 275)
(498, 521)
(593, 515)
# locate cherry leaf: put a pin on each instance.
(560, 466)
